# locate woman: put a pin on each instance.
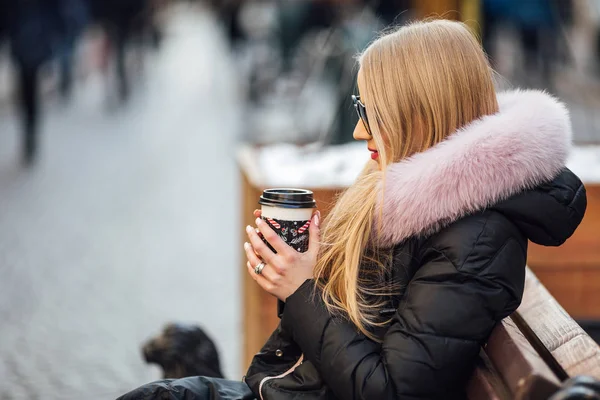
(426, 252)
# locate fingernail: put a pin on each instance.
(246, 245)
(248, 229)
(258, 221)
(317, 219)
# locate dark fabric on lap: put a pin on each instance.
(191, 388)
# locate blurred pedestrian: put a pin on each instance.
(537, 24)
(37, 31)
(538, 29)
(33, 28)
(594, 8)
(297, 18)
(74, 18)
(392, 12)
(4, 4)
(494, 14)
(123, 21)
(228, 12)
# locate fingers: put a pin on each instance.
(268, 279)
(259, 246)
(260, 279)
(257, 213)
(251, 255)
(273, 238)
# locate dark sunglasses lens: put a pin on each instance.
(358, 111)
(362, 112)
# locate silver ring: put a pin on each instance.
(258, 269)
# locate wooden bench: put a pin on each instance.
(531, 353)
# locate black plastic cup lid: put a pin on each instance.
(288, 198)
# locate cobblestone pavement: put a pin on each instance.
(128, 221)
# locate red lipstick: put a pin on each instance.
(374, 154)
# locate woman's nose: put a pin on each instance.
(360, 132)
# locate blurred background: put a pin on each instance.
(135, 135)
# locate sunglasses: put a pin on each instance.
(362, 113)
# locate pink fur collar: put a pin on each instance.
(521, 146)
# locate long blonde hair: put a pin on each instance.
(419, 83)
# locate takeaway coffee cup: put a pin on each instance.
(289, 213)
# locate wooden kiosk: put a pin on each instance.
(259, 309)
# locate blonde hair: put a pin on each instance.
(419, 83)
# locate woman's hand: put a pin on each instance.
(285, 271)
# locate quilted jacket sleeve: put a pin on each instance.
(448, 311)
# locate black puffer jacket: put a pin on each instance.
(458, 218)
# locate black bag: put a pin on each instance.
(192, 388)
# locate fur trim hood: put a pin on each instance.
(522, 146)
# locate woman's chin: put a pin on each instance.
(375, 165)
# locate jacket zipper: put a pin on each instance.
(286, 373)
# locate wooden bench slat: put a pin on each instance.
(579, 356)
(568, 343)
(521, 367)
(485, 384)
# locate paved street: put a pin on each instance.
(127, 222)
